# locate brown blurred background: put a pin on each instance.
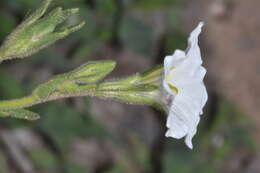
(83, 135)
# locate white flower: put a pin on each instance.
(183, 82)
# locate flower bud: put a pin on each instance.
(37, 32)
(76, 82)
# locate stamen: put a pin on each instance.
(173, 88)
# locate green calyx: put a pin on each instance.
(143, 88)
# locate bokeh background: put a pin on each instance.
(83, 135)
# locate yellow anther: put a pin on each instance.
(173, 88)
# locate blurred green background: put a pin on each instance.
(82, 135)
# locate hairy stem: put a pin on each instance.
(29, 101)
(18, 103)
(115, 92)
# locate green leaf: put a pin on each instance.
(20, 114)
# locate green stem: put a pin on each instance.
(32, 100)
(18, 103)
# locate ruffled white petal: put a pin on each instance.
(193, 54)
(193, 51)
(184, 71)
(172, 61)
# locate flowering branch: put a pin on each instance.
(177, 87)
(141, 88)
